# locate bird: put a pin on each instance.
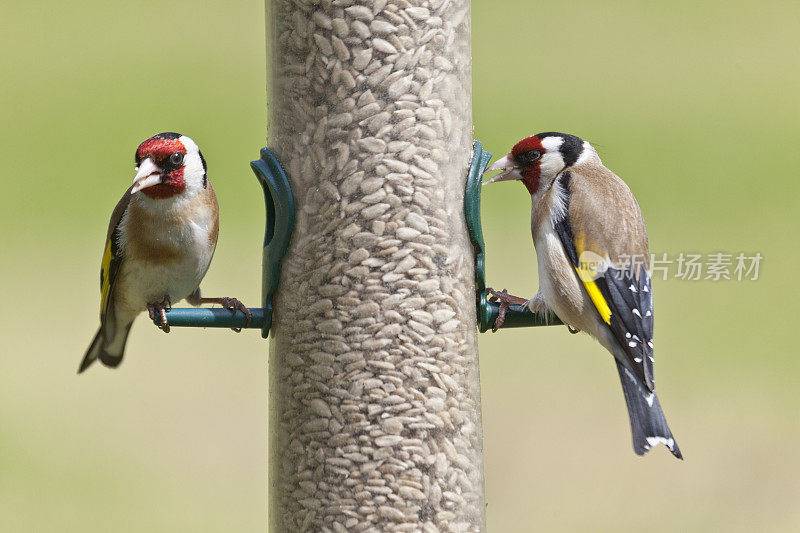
(593, 261)
(159, 244)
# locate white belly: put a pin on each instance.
(145, 281)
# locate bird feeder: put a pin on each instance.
(375, 420)
(375, 417)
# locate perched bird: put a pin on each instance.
(160, 241)
(593, 260)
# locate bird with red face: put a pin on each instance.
(593, 260)
(159, 244)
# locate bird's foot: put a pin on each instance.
(232, 304)
(505, 300)
(159, 309)
(573, 330)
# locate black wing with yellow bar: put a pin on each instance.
(623, 299)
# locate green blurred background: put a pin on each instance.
(694, 104)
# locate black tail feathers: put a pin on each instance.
(110, 360)
(98, 349)
(648, 425)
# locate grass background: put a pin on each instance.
(694, 104)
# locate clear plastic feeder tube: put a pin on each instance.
(375, 419)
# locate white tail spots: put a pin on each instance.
(636, 312)
(632, 288)
(637, 359)
(650, 398)
(632, 344)
(653, 441)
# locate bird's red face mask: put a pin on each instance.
(159, 167)
(522, 163)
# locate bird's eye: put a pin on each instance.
(529, 157)
(176, 159)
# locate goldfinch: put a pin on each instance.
(593, 259)
(160, 241)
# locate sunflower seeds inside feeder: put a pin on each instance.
(374, 391)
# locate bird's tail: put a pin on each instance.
(648, 425)
(109, 352)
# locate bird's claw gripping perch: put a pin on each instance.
(160, 309)
(233, 304)
(505, 300)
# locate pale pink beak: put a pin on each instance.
(147, 175)
(510, 170)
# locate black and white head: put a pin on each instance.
(169, 165)
(538, 159)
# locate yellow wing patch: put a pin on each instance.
(597, 298)
(588, 270)
(105, 274)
